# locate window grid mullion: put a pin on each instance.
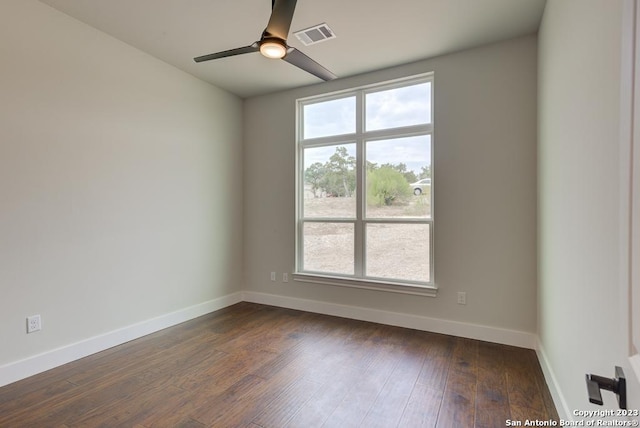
(359, 249)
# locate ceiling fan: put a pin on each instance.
(273, 43)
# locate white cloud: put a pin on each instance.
(415, 152)
(335, 117)
(322, 154)
(392, 108)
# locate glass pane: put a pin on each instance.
(328, 247)
(398, 251)
(335, 117)
(398, 178)
(393, 108)
(330, 182)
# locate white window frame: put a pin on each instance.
(360, 137)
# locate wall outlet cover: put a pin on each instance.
(34, 323)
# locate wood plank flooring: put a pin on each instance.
(258, 366)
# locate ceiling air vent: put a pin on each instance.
(316, 34)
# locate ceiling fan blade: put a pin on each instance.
(281, 17)
(231, 52)
(300, 60)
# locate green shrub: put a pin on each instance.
(385, 185)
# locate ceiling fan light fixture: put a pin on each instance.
(273, 48)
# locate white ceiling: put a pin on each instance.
(371, 34)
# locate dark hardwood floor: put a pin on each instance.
(256, 366)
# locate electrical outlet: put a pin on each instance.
(285, 277)
(34, 323)
(273, 276)
(462, 298)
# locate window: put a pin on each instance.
(365, 187)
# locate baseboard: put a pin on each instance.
(552, 383)
(436, 325)
(22, 369)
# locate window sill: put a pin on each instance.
(391, 287)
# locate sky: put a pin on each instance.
(383, 110)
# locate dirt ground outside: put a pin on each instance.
(393, 251)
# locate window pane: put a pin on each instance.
(330, 182)
(398, 251)
(393, 108)
(328, 247)
(335, 117)
(398, 178)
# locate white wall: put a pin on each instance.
(583, 232)
(120, 184)
(485, 195)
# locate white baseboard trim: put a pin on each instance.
(22, 369)
(552, 382)
(417, 322)
(30, 366)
